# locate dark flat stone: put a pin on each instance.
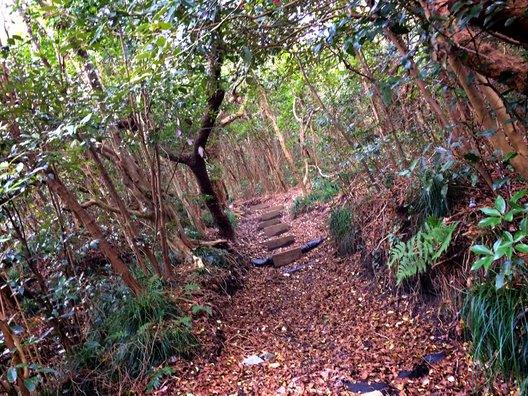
(261, 262)
(435, 357)
(363, 387)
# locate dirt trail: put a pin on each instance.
(328, 326)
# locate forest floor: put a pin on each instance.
(330, 328)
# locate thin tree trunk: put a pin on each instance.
(89, 222)
(18, 358)
(280, 137)
(129, 228)
(413, 71)
(337, 125)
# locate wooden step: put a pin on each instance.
(275, 230)
(270, 215)
(267, 223)
(260, 207)
(279, 242)
(286, 257)
(274, 208)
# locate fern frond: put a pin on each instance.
(422, 250)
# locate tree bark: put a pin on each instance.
(90, 224)
(199, 170)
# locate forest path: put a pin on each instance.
(327, 327)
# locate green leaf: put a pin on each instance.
(509, 216)
(522, 247)
(500, 204)
(509, 156)
(191, 287)
(489, 222)
(499, 281)
(504, 249)
(518, 236)
(12, 375)
(518, 195)
(205, 308)
(186, 321)
(31, 383)
(490, 212)
(497, 184)
(482, 262)
(523, 226)
(481, 249)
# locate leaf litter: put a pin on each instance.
(327, 329)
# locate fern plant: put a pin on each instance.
(422, 250)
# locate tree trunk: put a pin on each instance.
(89, 222)
(199, 170)
(18, 358)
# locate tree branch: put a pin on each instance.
(105, 206)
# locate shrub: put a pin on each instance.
(498, 324)
(342, 231)
(323, 191)
(208, 220)
(143, 332)
(508, 221)
(439, 185)
(232, 218)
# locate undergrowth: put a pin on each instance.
(208, 220)
(323, 191)
(498, 323)
(439, 185)
(129, 340)
(343, 232)
(422, 250)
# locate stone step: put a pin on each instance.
(279, 242)
(276, 230)
(267, 223)
(287, 257)
(271, 215)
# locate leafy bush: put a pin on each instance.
(215, 256)
(422, 250)
(342, 231)
(323, 191)
(145, 331)
(302, 204)
(232, 218)
(498, 323)
(507, 247)
(208, 220)
(439, 186)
